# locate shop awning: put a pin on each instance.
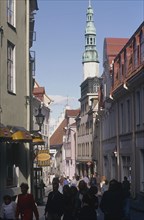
(37, 138)
(5, 134)
(20, 134)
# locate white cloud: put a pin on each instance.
(62, 100)
(58, 107)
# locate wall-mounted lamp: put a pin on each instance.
(110, 96)
(40, 118)
(125, 86)
(115, 152)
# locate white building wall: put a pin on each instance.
(91, 69)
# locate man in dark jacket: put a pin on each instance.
(112, 202)
(54, 207)
(126, 197)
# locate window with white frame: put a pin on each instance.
(11, 12)
(11, 87)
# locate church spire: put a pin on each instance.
(90, 56)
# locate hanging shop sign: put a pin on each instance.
(43, 158)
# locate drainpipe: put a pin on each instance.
(133, 158)
(27, 78)
(117, 141)
(1, 36)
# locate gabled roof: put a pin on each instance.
(39, 92)
(113, 46)
(71, 112)
(56, 140)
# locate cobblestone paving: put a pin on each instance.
(135, 215)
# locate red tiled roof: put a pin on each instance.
(72, 112)
(39, 92)
(57, 137)
(114, 46)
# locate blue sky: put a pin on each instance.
(60, 42)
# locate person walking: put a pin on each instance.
(87, 211)
(126, 198)
(104, 187)
(68, 203)
(112, 201)
(93, 180)
(55, 204)
(8, 208)
(82, 190)
(26, 205)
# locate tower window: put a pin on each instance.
(87, 40)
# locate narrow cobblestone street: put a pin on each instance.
(135, 215)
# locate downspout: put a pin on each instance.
(27, 78)
(133, 159)
(1, 39)
(117, 141)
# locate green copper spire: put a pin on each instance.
(90, 54)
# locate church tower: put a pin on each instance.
(90, 56)
(86, 146)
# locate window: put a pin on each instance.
(122, 117)
(142, 170)
(142, 47)
(125, 63)
(126, 167)
(11, 12)
(138, 108)
(135, 54)
(95, 87)
(128, 116)
(11, 68)
(87, 40)
(10, 165)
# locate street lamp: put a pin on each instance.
(39, 118)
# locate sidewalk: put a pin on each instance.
(138, 203)
(41, 208)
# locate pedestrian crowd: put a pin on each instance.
(76, 199)
(80, 198)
